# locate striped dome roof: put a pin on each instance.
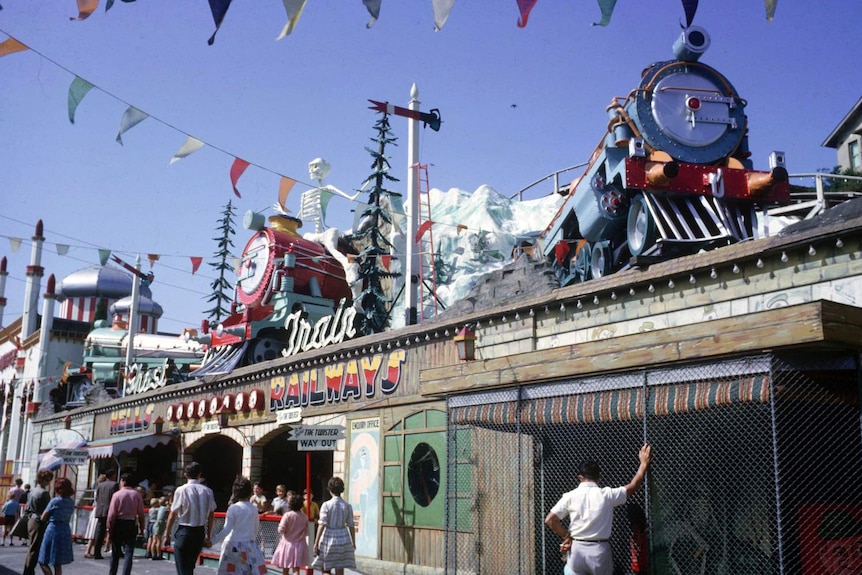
(146, 306)
(99, 281)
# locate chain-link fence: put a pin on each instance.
(757, 468)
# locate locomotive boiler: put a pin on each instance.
(671, 176)
(284, 282)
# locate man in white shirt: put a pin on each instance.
(591, 512)
(193, 508)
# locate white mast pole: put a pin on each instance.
(133, 321)
(411, 268)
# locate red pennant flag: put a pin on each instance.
(196, 263)
(426, 225)
(236, 170)
(525, 6)
(387, 261)
(153, 258)
(284, 187)
(85, 8)
(10, 46)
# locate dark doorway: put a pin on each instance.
(221, 459)
(282, 463)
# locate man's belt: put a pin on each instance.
(591, 540)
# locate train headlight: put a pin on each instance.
(220, 330)
(693, 103)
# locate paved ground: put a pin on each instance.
(12, 563)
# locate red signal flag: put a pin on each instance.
(430, 119)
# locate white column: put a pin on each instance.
(40, 391)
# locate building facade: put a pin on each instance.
(740, 365)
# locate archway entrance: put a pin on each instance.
(283, 463)
(221, 458)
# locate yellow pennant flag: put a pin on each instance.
(11, 46)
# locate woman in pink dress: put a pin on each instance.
(292, 551)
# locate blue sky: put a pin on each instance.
(517, 104)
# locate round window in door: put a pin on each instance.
(423, 474)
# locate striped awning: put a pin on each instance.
(113, 446)
(618, 404)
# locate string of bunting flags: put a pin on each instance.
(441, 9)
(133, 115)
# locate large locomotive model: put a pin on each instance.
(282, 276)
(672, 175)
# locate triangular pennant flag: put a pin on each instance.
(10, 46)
(62, 249)
(111, 3)
(426, 225)
(103, 256)
(77, 90)
(373, 7)
(690, 7)
(441, 12)
(325, 196)
(236, 170)
(524, 6)
(770, 9)
(131, 118)
(196, 263)
(284, 187)
(189, 147)
(460, 228)
(294, 11)
(236, 265)
(219, 9)
(85, 8)
(607, 8)
(153, 258)
(15, 244)
(387, 261)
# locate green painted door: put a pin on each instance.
(424, 479)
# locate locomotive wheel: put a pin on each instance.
(640, 226)
(600, 262)
(581, 263)
(263, 349)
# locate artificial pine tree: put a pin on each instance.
(222, 289)
(374, 303)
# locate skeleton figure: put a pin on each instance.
(313, 204)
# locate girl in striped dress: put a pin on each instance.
(334, 543)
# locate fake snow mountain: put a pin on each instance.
(473, 235)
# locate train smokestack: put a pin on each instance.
(691, 44)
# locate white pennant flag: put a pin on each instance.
(15, 244)
(62, 249)
(188, 148)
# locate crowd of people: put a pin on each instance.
(119, 522)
